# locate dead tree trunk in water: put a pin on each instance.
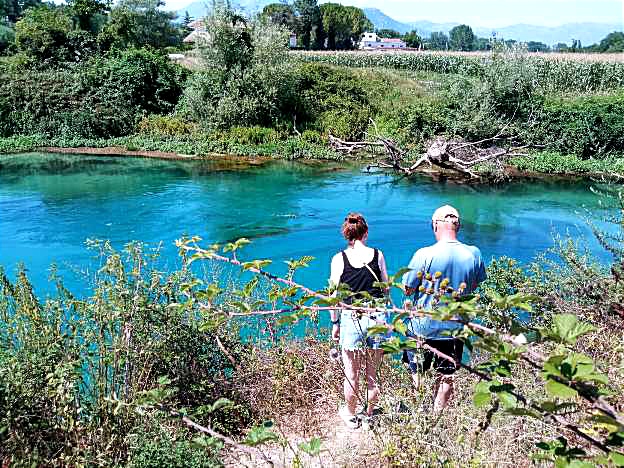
(448, 154)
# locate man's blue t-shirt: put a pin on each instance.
(458, 262)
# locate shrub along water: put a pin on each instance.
(73, 370)
(105, 97)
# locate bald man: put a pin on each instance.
(462, 265)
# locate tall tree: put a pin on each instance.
(85, 12)
(412, 39)
(309, 25)
(282, 14)
(462, 38)
(343, 25)
(438, 41)
(137, 23)
(614, 42)
(13, 10)
(536, 46)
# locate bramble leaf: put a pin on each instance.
(560, 390)
(312, 448)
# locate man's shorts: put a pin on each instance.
(421, 360)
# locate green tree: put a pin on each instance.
(438, 41)
(613, 42)
(13, 10)
(139, 23)
(309, 24)
(343, 25)
(86, 11)
(7, 37)
(412, 39)
(535, 46)
(388, 33)
(43, 33)
(482, 43)
(462, 38)
(282, 14)
(560, 47)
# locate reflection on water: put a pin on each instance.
(50, 204)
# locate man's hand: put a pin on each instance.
(336, 332)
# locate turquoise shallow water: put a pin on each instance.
(50, 204)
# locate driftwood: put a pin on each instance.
(455, 155)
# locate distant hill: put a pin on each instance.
(587, 33)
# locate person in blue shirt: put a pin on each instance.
(463, 266)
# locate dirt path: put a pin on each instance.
(340, 447)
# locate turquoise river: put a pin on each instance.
(50, 204)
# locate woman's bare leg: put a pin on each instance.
(373, 361)
(352, 362)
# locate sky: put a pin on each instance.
(488, 13)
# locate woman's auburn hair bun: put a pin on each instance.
(354, 227)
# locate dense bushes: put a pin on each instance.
(79, 378)
(587, 126)
(105, 97)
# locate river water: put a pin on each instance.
(50, 204)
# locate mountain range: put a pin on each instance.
(587, 33)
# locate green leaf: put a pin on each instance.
(567, 328)
(312, 448)
(221, 403)
(507, 400)
(560, 390)
(481, 399)
(617, 458)
(260, 435)
(400, 327)
(377, 330)
(257, 264)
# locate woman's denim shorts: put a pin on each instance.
(353, 330)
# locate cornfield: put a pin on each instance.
(555, 72)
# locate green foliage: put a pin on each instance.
(281, 14)
(462, 38)
(309, 24)
(412, 39)
(157, 448)
(139, 23)
(102, 98)
(547, 162)
(73, 371)
(7, 37)
(546, 74)
(438, 41)
(587, 126)
(332, 101)
(165, 125)
(87, 11)
(612, 43)
(244, 79)
(14, 9)
(44, 33)
(343, 25)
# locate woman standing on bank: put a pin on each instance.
(359, 267)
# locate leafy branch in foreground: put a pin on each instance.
(572, 383)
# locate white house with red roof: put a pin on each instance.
(371, 41)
